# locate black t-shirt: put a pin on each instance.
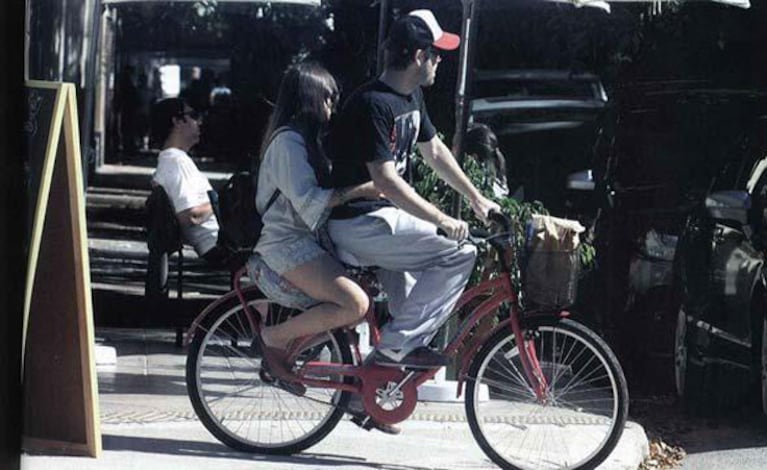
(376, 123)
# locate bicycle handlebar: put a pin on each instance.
(481, 234)
(476, 232)
(501, 219)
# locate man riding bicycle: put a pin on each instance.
(377, 131)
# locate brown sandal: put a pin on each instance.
(276, 364)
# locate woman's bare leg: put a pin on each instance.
(343, 302)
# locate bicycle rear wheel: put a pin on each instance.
(233, 401)
(584, 412)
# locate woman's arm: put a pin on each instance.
(343, 195)
(287, 163)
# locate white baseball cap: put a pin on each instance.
(420, 29)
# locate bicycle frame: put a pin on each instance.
(497, 292)
(529, 377)
(500, 290)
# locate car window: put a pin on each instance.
(506, 88)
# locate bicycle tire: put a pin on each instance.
(233, 401)
(516, 431)
(763, 367)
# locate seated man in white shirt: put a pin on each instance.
(175, 127)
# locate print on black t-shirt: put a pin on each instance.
(376, 123)
(403, 138)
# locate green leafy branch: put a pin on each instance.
(432, 188)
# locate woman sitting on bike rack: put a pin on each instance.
(289, 266)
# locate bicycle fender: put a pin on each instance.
(477, 343)
(229, 296)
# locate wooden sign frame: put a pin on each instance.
(61, 186)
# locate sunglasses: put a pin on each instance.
(333, 97)
(433, 54)
(194, 115)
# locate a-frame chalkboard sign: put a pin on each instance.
(61, 409)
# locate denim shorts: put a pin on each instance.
(286, 256)
(275, 287)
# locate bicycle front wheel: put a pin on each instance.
(233, 401)
(580, 419)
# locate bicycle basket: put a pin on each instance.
(551, 263)
(550, 279)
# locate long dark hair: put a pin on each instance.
(482, 142)
(301, 102)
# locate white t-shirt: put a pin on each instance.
(187, 187)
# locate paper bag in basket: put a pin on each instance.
(551, 271)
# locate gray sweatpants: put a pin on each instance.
(423, 273)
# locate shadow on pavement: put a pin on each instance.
(665, 418)
(135, 346)
(212, 450)
(150, 384)
(124, 310)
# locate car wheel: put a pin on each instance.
(680, 353)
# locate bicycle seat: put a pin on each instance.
(352, 265)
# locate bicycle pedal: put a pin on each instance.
(418, 368)
(294, 388)
(362, 422)
(265, 377)
(368, 424)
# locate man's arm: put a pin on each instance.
(195, 215)
(389, 182)
(441, 160)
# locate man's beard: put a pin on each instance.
(428, 80)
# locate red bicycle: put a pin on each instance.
(542, 390)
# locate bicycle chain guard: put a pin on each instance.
(380, 399)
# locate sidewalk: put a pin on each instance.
(147, 422)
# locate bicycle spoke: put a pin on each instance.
(239, 408)
(584, 384)
(235, 392)
(576, 420)
(580, 380)
(515, 373)
(501, 386)
(233, 349)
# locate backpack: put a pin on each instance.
(162, 227)
(239, 222)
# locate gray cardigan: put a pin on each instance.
(302, 205)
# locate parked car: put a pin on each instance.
(720, 340)
(675, 146)
(669, 145)
(719, 335)
(546, 122)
